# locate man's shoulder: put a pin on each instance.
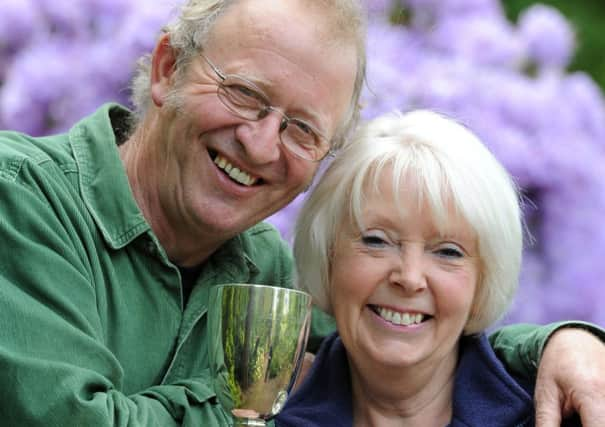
(18, 150)
(263, 235)
(263, 243)
(56, 148)
(268, 252)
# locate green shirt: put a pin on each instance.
(94, 328)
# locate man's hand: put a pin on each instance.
(304, 369)
(571, 378)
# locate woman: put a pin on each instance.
(413, 241)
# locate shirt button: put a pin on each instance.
(150, 247)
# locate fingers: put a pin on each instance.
(571, 378)
(548, 404)
(591, 408)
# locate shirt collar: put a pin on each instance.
(484, 392)
(106, 191)
(231, 262)
(103, 182)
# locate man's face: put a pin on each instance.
(276, 45)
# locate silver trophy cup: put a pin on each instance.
(257, 336)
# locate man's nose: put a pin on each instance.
(261, 138)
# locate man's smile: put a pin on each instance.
(240, 176)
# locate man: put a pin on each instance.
(114, 232)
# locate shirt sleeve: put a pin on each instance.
(520, 346)
(56, 368)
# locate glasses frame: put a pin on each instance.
(265, 110)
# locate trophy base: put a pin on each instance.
(247, 422)
(247, 418)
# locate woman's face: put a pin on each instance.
(401, 291)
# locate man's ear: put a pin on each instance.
(163, 66)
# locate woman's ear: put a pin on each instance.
(163, 66)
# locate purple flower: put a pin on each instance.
(28, 93)
(549, 36)
(19, 20)
(142, 26)
(60, 59)
(491, 42)
(283, 219)
(584, 101)
(71, 18)
(427, 13)
(377, 7)
(391, 50)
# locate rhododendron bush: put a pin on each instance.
(508, 81)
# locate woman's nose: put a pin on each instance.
(409, 271)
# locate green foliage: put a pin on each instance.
(587, 17)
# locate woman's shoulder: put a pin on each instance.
(485, 393)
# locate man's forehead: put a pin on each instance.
(265, 20)
(281, 46)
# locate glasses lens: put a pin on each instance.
(299, 138)
(241, 98)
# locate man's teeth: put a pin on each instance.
(398, 318)
(235, 174)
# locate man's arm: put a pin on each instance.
(567, 360)
(571, 378)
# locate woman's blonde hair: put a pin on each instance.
(451, 168)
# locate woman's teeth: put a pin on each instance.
(398, 318)
(234, 173)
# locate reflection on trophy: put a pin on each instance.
(258, 336)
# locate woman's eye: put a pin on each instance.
(373, 241)
(450, 252)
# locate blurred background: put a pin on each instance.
(527, 76)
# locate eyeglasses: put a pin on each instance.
(245, 100)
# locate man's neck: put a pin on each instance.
(184, 247)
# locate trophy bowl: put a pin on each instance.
(258, 335)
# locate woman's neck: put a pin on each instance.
(404, 397)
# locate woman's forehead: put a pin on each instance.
(385, 198)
